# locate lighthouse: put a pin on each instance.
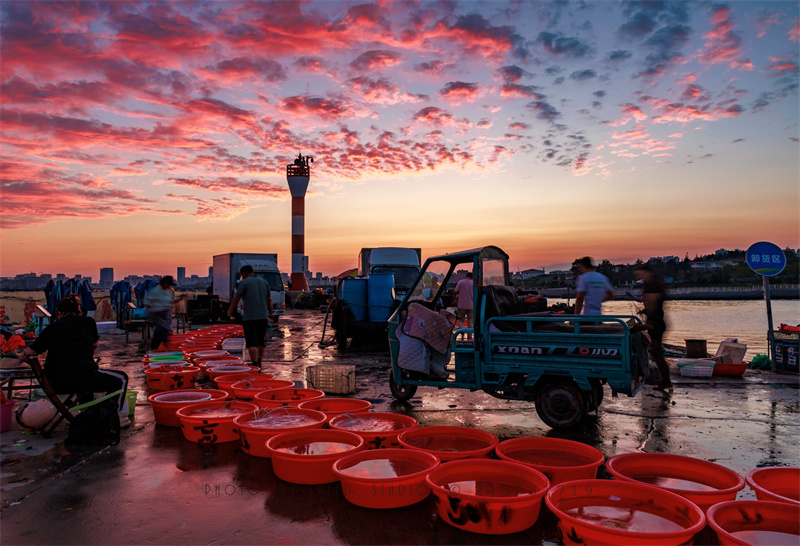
(298, 174)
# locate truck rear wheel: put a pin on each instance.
(402, 391)
(560, 403)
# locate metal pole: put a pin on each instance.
(770, 335)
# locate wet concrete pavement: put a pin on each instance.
(154, 487)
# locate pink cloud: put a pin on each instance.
(514, 90)
(376, 60)
(794, 32)
(460, 91)
(35, 194)
(213, 209)
(382, 91)
(723, 45)
(325, 108)
(251, 188)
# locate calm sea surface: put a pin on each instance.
(716, 320)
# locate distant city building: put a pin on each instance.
(528, 274)
(181, 275)
(665, 259)
(706, 266)
(61, 277)
(211, 272)
(106, 277)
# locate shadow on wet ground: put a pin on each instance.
(155, 487)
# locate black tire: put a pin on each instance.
(597, 394)
(560, 403)
(403, 391)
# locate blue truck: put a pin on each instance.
(562, 363)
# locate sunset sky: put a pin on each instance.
(149, 135)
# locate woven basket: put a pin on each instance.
(332, 378)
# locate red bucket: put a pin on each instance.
(225, 382)
(166, 404)
(755, 522)
(389, 478)
(487, 496)
(379, 430)
(256, 427)
(337, 406)
(613, 512)
(212, 422)
(214, 373)
(306, 457)
(559, 460)
(247, 389)
(702, 482)
(183, 377)
(286, 396)
(449, 443)
(775, 483)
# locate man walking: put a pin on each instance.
(253, 292)
(593, 289)
(462, 299)
(653, 293)
(158, 302)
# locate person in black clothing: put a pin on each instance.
(653, 294)
(70, 367)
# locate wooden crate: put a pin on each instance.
(332, 378)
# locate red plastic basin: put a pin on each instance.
(256, 427)
(559, 460)
(217, 371)
(775, 483)
(733, 370)
(389, 478)
(756, 522)
(247, 389)
(337, 406)
(212, 422)
(172, 380)
(286, 396)
(225, 382)
(614, 512)
(166, 404)
(307, 456)
(702, 482)
(449, 443)
(488, 496)
(379, 430)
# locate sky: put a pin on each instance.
(145, 136)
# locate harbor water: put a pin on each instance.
(715, 321)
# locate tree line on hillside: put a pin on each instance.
(734, 271)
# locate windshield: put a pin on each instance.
(429, 287)
(404, 275)
(273, 278)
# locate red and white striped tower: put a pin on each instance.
(298, 174)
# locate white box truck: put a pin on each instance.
(226, 275)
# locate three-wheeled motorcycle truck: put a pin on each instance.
(559, 362)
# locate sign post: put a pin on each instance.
(767, 260)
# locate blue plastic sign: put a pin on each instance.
(766, 258)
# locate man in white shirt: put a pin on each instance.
(593, 289)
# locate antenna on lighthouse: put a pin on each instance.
(298, 174)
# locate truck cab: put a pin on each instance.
(559, 362)
(401, 262)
